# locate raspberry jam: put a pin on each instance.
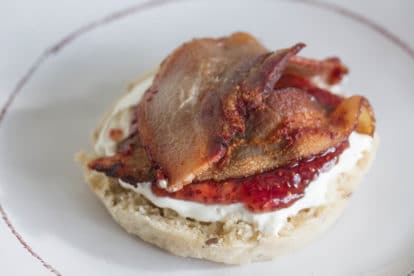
(263, 192)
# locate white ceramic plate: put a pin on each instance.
(70, 87)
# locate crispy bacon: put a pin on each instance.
(323, 96)
(199, 101)
(330, 70)
(130, 163)
(225, 108)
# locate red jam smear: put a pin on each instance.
(263, 192)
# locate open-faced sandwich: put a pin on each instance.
(231, 152)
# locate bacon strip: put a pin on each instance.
(227, 108)
(330, 70)
(200, 98)
(130, 164)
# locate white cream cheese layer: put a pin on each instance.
(267, 223)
